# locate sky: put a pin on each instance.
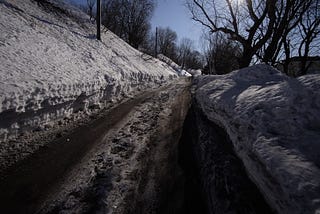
(174, 14)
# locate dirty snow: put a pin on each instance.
(52, 66)
(122, 173)
(274, 124)
(195, 72)
(175, 66)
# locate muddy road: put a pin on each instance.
(154, 153)
(116, 163)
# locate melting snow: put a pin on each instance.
(274, 124)
(52, 66)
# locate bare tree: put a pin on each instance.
(208, 45)
(301, 42)
(138, 21)
(288, 16)
(129, 19)
(113, 16)
(167, 42)
(90, 5)
(258, 26)
(194, 60)
(184, 51)
(309, 29)
(187, 56)
(221, 54)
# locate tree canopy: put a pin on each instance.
(262, 28)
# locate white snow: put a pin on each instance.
(52, 65)
(175, 66)
(274, 124)
(195, 72)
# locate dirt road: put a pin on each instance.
(114, 164)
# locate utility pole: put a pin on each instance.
(156, 44)
(98, 20)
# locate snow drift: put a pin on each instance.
(195, 72)
(274, 124)
(175, 66)
(52, 66)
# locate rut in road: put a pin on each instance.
(114, 164)
(151, 154)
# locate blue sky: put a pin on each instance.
(173, 14)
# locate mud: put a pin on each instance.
(28, 180)
(118, 163)
(154, 153)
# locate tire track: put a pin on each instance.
(82, 168)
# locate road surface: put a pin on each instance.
(115, 163)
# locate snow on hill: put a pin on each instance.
(52, 65)
(274, 124)
(173, 65)
(195, 72)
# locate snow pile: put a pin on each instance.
(195, 72)
(175, 66)
(274, 124)
(52, 66)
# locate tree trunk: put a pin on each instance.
(156, 44)
(245, 59)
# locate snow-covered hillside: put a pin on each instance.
(274, 124)
(52, 66)
(175, 66)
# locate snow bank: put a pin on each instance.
(52, 66)
(175, 66)
(274, 124)
(195, 72)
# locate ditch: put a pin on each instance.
(215, 180)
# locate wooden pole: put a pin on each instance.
(156, 44)
(99, 20)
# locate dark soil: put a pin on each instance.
(216, 180)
